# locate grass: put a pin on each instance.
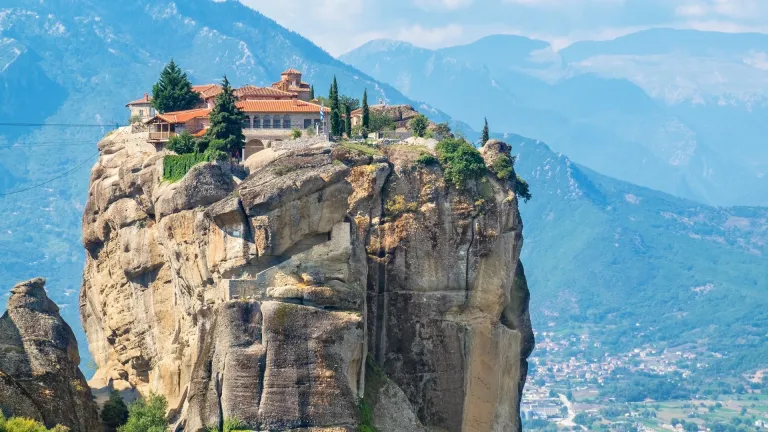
(175, 167)
(362, 148)
(398, 205)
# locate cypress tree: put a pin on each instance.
(173, 91)
(348, 121)
(486, 134)
(226, 130)
(311, 92)
(335, 108)
(366, 110)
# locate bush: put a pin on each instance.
(461, 161)
(182, 143)
(134, 119)
(381, 121)
(398, 205)
(175, 167)
(366, 417)
(114, 413)
(230, 425)
(419, 125)
(522, 190)
(427, 159)
(503, 167)
(21, 424)
(147, 415)
(295, 134)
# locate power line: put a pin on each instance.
(108, 125)
(53, 179)
(68, 144)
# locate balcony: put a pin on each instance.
(161, 136)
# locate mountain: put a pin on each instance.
(636, 266)
(627, 108)
(76, 63)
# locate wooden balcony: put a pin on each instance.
(161, 136)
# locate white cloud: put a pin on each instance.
(727, 9)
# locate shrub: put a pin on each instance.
(21, 424)
(230, 425)
(427, 159)
(461, 161)
(381, 121)
(295, 134)
(115, 412)
(522, 190)
(503, 167)
(419, 125)
(134, 119)
(182, 143)
(175, 167)
(147, 415)
(366, 417)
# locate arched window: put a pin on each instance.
(256, 122)
(246, 122)
(286, 122)
(267, 122)
(276, 122)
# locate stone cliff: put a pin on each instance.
(39, 374)
(331, 287)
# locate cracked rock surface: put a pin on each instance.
(326, 279)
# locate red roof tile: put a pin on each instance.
(279, 106)
(207, 90)
(145, 100)
(253, 91)
(182, 116)
(290, 71)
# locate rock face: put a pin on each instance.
(328, 283)
(39, 374)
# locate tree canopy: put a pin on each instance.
(146, 415)
(115, 412)
(486, 134)
(226, 131)
(419, 125)
(173, 91)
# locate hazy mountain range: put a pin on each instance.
(678, 111)
(597, 250)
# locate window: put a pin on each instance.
(256, 122)
(276, 122)
(307, 123)
(286, 122)
(141, 113)
(247, 123)
(151, 112)
(267, 123)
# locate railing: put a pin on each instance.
(160, 136)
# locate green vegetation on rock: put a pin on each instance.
(419, 125)
(20, 424)
(147, 415)
(461, 161)
(175, 167)
(115, 412)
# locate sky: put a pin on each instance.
(342, 25)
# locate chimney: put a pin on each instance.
(146, 97)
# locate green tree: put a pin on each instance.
(226, 131)
(486, 134)
(419, 125)
(333, 97)
(311, 92)
(366, 111)
(114, 413)
(461, 161)
(348, 121)
(182, 143)
(147, 415)
(381, 121)
(442, 131)
(173, 91)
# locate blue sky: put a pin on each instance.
(341, 25)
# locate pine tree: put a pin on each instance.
(312, 92)
(366, 110)
(226, 131)
(335, 108)
(173, 91)
(486, 134)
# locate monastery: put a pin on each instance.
(271, 113)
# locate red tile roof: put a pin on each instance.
(290, 71)
(182, 116)
(207, 90)
(145, 100)
(253, 91)
(199, 133)
(279, 106)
